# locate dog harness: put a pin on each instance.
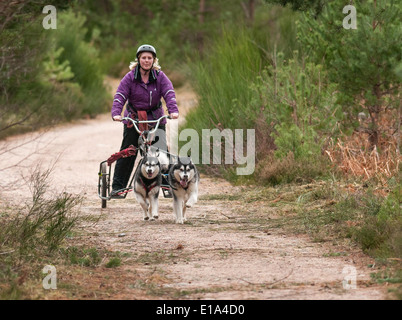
(147, 188)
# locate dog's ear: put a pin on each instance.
(157, 152)
(189, 156)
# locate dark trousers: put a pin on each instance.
(124, 166)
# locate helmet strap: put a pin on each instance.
(146, 71)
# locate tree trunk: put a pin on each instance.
(201, 12)
(373, 135)
(375, 111)
(398, 134)
(249, 10)
(201, 20)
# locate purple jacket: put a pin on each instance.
(145, 96)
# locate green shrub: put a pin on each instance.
(83, 58)
(286, 102)
(42, 226)
(300, 103)
(299, 113)
(86, 257)
(55, 75)
(380, 232)
(113, 263)
(375, 221)
(222, 83)
(273, 170)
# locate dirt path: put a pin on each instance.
(223, 252)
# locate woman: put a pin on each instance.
(142, 87)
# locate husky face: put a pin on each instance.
(184, 172)
(150, 167)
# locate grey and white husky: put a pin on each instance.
(147, 183)
(183, 179)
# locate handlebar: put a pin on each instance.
(135, 122)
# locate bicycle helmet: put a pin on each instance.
(146, 48)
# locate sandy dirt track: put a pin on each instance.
(220, 253)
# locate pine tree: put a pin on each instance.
(302, 5)
(361, 61)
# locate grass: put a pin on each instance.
(82, 256)
(341, 212)
(41, 226)
(38, 234)
(160, 256)
(32, 235)
(113, 263)
(223, 83)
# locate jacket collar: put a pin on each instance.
(137, 74)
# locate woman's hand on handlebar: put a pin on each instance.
(120, 118)
(174, 116)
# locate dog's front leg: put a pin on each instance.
(153, 208)
(178, 209)
(184, 211)
(193, 197)
(144, 204)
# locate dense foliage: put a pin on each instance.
(288, 69)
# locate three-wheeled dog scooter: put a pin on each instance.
(145, 142)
